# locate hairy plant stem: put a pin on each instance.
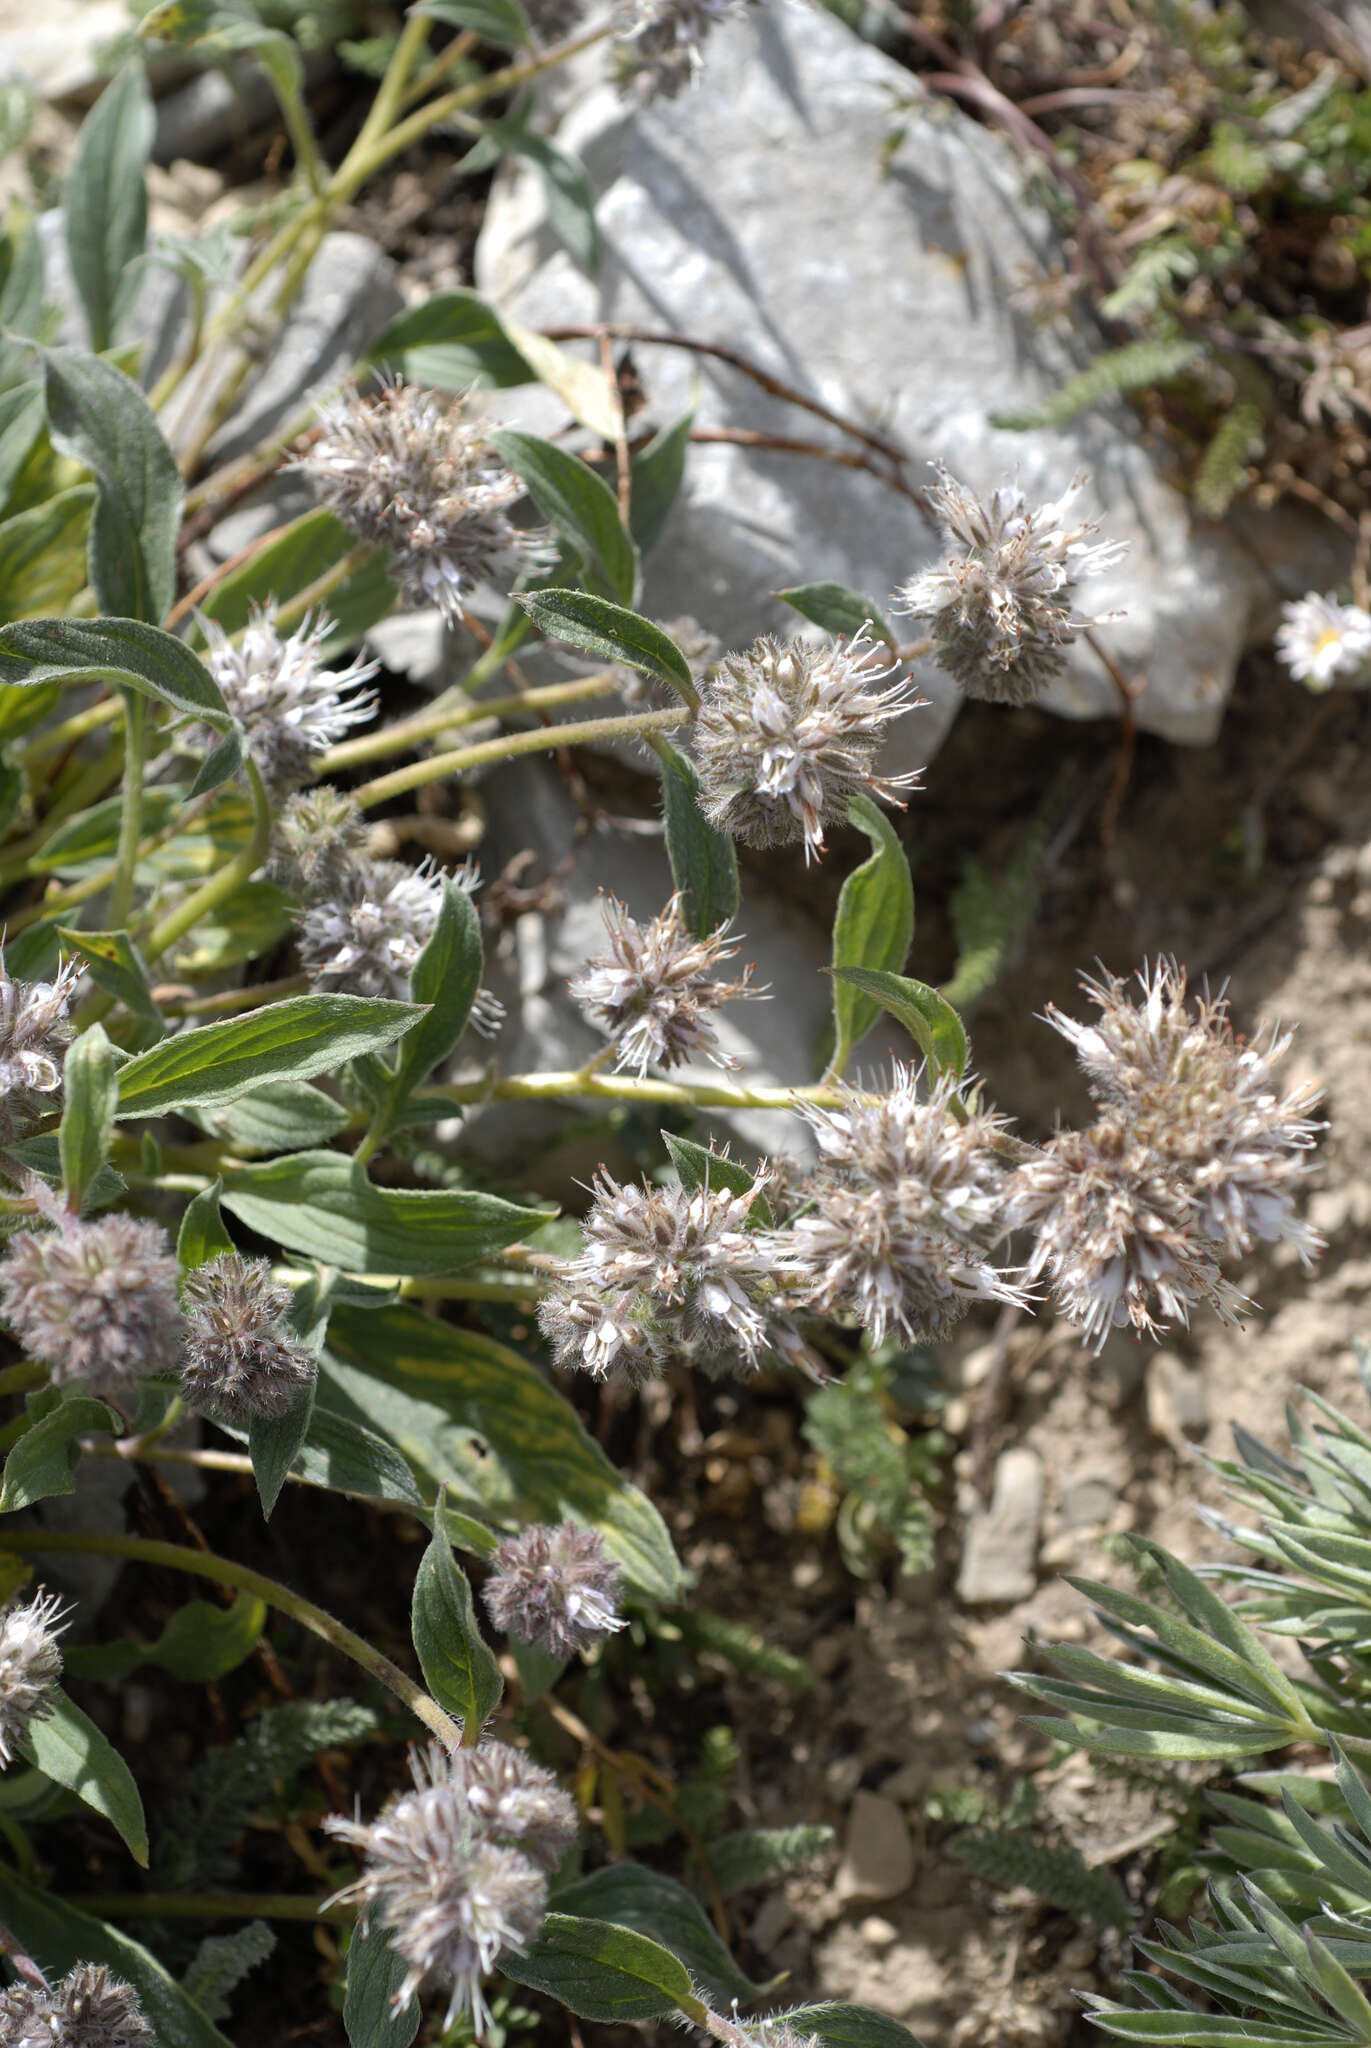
(369, 153)
(410, 732)
(219, 887)
(225, 1571)
(510, 744)
(595, 1087)
(131, 816)
(210, 1906)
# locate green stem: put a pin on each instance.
(131, 818)
(410, 732)
(225, 1571)
(504, 748)
(390, 93)
(22, 1378)
(209, 1906)
(54, 739)
(627, 1088)
(219, 887)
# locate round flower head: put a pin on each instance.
(999, 611)
(1206, 1102)
(1323, 642)
(88, 2009)
(287, 707)
(368, 938)
(34, 1035)
(30, 1666)
(515, 1801)
(660, 44)
(649, 993)
(1116, 1234)
(240, 1360)
(906, 1203)
(94, 1301)
(557, 1587)
(788, 733)
(449, 1894)
(667, 1274)
(317, 843)
(413, 475)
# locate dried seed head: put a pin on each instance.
(240, 1359)
(30, 1667)
(96, 1300)
(788, 733)
(449, 1893)
(409, 473)
(557, 1587)
(668, 1275)
(1206, 1102)
(317, 843)
(368, 937)
(659, 44)
(1117, 1234)
(1323, 642)
(287, 706)
(650, 991)
(1000, 610)
(904, 1208)
(34, 1034)
(88, 2009)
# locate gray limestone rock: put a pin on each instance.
(1001, 1542)
(878, 1852)
(765, 211)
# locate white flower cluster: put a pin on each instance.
(1324, 643)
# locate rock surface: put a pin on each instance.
(1001, 1541)
(878, 1852)
(763, 211)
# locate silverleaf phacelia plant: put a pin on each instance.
(243, 1236)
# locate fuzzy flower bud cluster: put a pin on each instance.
(240, 1359)
(652, 991)
(366, 934)
(413, 475)
(788, 733)
(555, 1586)
(670, 1275)
(1323, 642)
(1196, 1155)
(89, 2008)
(456, 1870)
(317, 843)
(659, 45)
(1000, 609)
(95, 1301)
(287, 706)
(30, 1667)
(905, 1209)
(34, 1034)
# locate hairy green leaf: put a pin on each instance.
(285, 1041)
(704, 861)
(458, 1666)
(106, 209)
(873, 927)
(602, 1972)
(579, 504)
(66, 1746)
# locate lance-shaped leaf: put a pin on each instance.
(837, 609)
(67, 1747)
(113, 650)
(100, 418)
(90, 1090)
(372, 2014)
(323, 1205)
(602, 1972)
(704, 861)
(873, 926)
(927, 1016)
(458, 1666)
(45, 1458)
(106, 209)
(286, 1041)
(584, 620)
(579, 504)
(629, 1895)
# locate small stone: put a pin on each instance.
(1001, 1542)
(878, 1933)
(774, 1918)
(878, 1853)
(907, 1785)
(1177, 1404)
(1087, 1499)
